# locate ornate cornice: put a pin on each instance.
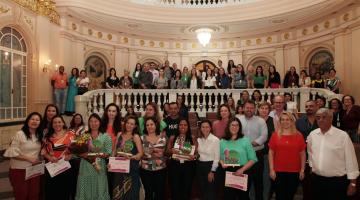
(42, 7)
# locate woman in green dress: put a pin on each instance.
(72, 92)
(92, 180)
(126, 186)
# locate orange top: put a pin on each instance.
(60, 145)
(111, 133)
(60, 80)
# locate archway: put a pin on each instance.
(261, 61)
(321, 61)
(200, 66)
(95, 68)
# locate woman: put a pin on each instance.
(112, 81)
(77, 124)
(208, 150)
(291, 78)
(126, 81)
(181, 171)
(151, 110)
(274, 78)
(236, 150)
(176, 82)
(72, 92)
(304, 80)
(239, 80)
(92, 181)
(127, 186)
(209, 81)
(24, 151)
(333, 83)
(260, 80)
(55, 148)
(239, 110)
(318, 82)
(135, 76)
(257, 97)
(166, 110)
(83, 83)
(250, 77)
(153, 163)
(244, 97)
(161, 82)
(50, 112)
(336, 106)
(264, 110)
(183, 109)
(286, 157)
(195, 81)
(231, 103)
(219, 125)
(111, 121)
(230, 66)
(351, 118)
(223, 81)
(185, 77)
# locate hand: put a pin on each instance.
(301, 175)
(67, 157)
(175, 151)
(351, 190)
(272, 175)
(239, 172)
(53, 159)
(223, 164)
(134, 157)
(33, 160)
(254, 144)
(211, 177)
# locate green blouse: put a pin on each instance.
(238, 151)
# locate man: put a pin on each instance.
(305, 124)
(332, 160)
(172, 120)
(255, 128)
(145, 77)
(154, 72)
(59, 82)
(279, 105)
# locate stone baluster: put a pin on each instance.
(90, 106)
(138, 101)
(109, 97)
(101, 103)
(144, 101)
(95, 105)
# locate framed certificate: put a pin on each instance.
(35, 170)
(119, 164)
(237, 182)
(57, 168)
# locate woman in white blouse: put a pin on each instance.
(209, 80)
(82, 82)
(23, 152)
(209, 155)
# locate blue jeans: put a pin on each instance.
(60, 98)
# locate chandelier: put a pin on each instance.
(204, 35)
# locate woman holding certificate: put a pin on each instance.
(237, 156)
(92, 181)
(153, 163)
(208, 150)
(286, 157)
(55, 151)
(128, 145)
(23, 152)
(181, 147)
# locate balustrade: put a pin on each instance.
(200, 101)
(192, 3)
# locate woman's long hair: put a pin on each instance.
(227, 129)
(72, 122)
(117, 121)
(136, 129)
(45, 124)
(188, 135)
(293, 129)
(26, 129)
(96, 116)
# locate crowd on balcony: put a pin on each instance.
(266, 142)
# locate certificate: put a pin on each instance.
(237, 182)
(119, 164)
(57, 168)
(35, 170)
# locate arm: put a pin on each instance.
(303, 161)
(271, 164)
(263, 133)
(139, 148)
(266, 82)
(170, 144)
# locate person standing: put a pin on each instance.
(59, 82)
(286, 157)
(23, 152)
(112, 81)
(126, 81)
(255, 128)
(72, 92)
(332, 159)
(83, 82)
(172, 121)
(351, 118)
(145, 78)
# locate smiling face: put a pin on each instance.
(94, 124)
(234, 128)
(150, 126)
(112, 112)
(77, 120)
(130, 125)
(50, 113)
(285, 121)
(205, 129)
(34, 122)
(224, 112)
(149, 111)
(58, 124)
(183, 127)
(249, 110)
(264, 111)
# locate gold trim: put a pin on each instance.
(4, 10)
(45, 8)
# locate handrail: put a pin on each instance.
(192, 3)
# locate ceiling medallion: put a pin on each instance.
(305, 31)
(125, 40)
(109, 36)
(258, 41)
(286, 36)
(269, 39)
(142, 42)
(316, 28)
(177, 45)
(327, 24)
(346, 17)
(90, 31)
(99, 34)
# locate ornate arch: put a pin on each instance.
(208, 58)
(264, 60)
(150, 59)
(96, 65)
(312, 67)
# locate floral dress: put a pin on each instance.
(127, 186)
(92, 183)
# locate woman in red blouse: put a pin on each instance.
(286, 157)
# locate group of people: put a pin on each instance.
(265, 142)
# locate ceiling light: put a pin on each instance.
(204, 35)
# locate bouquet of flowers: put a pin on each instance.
(80, 145)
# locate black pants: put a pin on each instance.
(307, 184)
(234, 194)
(286, 184)
(256, 172)
(207, 189)
(329, 188)
(154, 183)
(58, 187)
(181, 178)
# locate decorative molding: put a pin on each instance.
(109, 36)
(28, 20)
(4, 10)
(45, 8)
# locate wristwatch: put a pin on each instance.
(353, 184)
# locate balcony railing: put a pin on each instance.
(192, 3)
(200, 101)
